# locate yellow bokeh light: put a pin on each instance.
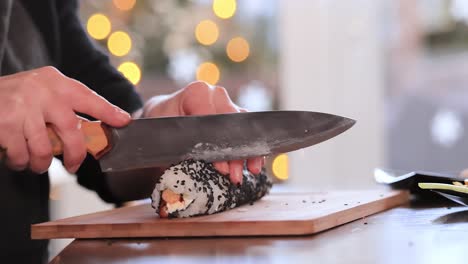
(280, 167)
(208, 72)
(124, 5)
(207, 32)
(119, 43)
(98, 26)
(238, 49)
(131, 71)
(224, 8)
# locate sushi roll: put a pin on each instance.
(193, 188)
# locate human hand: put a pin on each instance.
(29, 100)
(198, 98)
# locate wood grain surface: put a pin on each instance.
(418, 232)
(275, 214)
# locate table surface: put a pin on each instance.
(417, 232)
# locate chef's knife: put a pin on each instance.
(153, 142)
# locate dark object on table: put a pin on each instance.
(411, 181)
(456, 193)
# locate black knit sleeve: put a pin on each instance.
(81, 60)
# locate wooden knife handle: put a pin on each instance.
(96, 134)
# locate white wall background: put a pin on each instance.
(332, 61)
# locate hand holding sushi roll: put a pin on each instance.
(199, 98)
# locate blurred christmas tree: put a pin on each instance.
(186, 40)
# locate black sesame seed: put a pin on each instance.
(177, 181)
(189, 189)
(175, 186)
(183, 182)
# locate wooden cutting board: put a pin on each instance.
(274, 214)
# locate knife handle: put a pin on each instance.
(96, 134)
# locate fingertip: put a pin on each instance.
(115, 117)
(73, 169)
(123, 117)
(255, 165)
(233, 179)
(222, 167)
(235, 171)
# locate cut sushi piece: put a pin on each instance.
(193, 188)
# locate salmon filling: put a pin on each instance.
(172, 202)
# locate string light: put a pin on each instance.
(224, 8)
(124, 5)
(280, 167)
(208, 72)
(131, 71)
(119, 43)
(98, 26)
(207, 32)
(238, 49)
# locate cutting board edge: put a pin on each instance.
(297, 227)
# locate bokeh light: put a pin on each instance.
(131, 71)
(207, 32)
(224, 8)
(124, 5)
(119, 43)
(280, 167)
(98, 26)
(238, 49)
(208, 72)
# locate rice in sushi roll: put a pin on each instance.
(193, 188)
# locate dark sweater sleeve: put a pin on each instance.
(81, 60)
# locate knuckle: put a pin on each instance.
(221, 90)
(69, 124)
(222, 93)
(9, 122)
(199, 87)
(49, 70)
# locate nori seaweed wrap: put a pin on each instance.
(193, 188)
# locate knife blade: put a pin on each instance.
(153, 142)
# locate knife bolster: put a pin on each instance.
(97, 137)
